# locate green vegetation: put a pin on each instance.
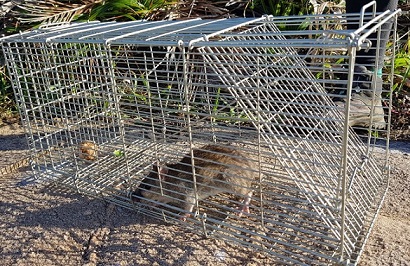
(31, 13)
(402, 63)
(127, 9)
(401, 88)
(284, 8)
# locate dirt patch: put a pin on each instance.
(51, 227)
(389, 242)
(44, 225)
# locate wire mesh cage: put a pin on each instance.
(230, 127)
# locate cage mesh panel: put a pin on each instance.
(145, 91)
(258, 91)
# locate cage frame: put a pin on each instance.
(357, 42)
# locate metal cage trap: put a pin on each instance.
(103, 102)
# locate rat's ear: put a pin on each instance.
(160, 170)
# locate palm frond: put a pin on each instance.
(131, 9)
(50, 11)
(206, 8)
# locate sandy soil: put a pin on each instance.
(43, 225)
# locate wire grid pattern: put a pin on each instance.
(150, 91)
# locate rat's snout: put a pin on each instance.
(138, 194)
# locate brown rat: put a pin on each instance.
(218, 169)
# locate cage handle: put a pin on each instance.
(363, 10)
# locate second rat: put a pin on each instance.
(218, 169)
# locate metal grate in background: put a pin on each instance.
(102, 102)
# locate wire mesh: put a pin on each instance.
(108, 106)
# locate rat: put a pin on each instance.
(218, 169)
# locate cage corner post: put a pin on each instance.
(343, 184)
